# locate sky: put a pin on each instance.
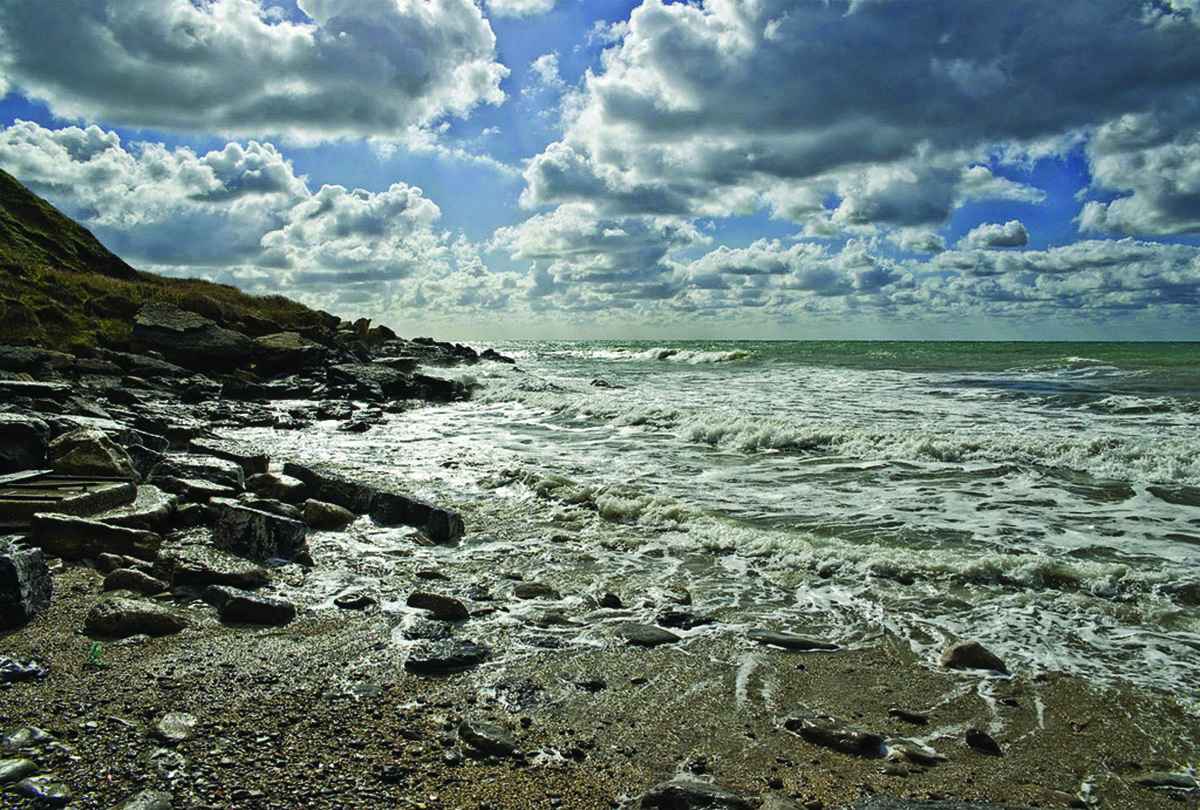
(500, 169)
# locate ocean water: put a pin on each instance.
(1041, 498)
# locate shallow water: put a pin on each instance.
(1043, 498)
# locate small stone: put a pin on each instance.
(682, 619)
(440, 606)
(1167, 781)
(355, 601)
(535, 590)
(175, 727)
(790, 641)
(327, 516)
(488, 739)
(643, 635)
(235, 606)
(915, 752)
(972, 655)
(831, 732)
(120, 617)
(611, 601)
(19, 669)
(444, 656)
(147, 800)
(45, 789)
(916, 718)
(131, 579)
(14, 770)
(25, 737)
(983, 743)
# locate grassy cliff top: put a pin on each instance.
(61, 289)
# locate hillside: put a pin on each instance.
(60, 288)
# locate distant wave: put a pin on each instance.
(695, 358)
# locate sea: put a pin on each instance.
(1041, 498)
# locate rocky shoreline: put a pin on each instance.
(160, 648)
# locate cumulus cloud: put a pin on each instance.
(992, 235)
(238, 67)
(519, 8)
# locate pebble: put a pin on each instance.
(643, 635)
(175, 727)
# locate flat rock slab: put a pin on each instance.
(150, 510)
(236, 606)
(255, 534)
(200, 565)
(219, 471)
(644, 635)
(120, 617)
(76, 538)
(686, 794)
(790, 641)
(445, 656)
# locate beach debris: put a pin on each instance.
(972, 655)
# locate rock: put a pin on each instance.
(420, 628)
(24, 441)
(789, 641)
(1167, 781)
(326, 516)
(44, 789)
(333, 488)
(14, 770)
(130, 579)
(120, 617)
(442, 525)
(488, 739)
(21, 389)
(147, 800)
(279, 508)
(983, 743)
(824, 730)
(888, 803)
(277, 487)
(535, 590)
(681, 619)
(25, 737)
(916, 718)
(972, 655)
(644, 635)
(19, 669)
(236, 606)
(440, 606)
(175, 727)
(199, 565)
(610, 601)
(25, 583)
(371, 379)
(219, 471)
(251, 462)
(89, 451)
(355, 601)
(31, 359)
(150, 510)
(689, 794)
(188, 339)
(445, 656)
(286, 353)
(915, 752)
(255, 534)
(76, 538)
(194, 490)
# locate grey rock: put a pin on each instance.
(535, 590)
(19, 669)
(25, 737)
(445, 656)
(76, 538)
(440, 606)
(644, 635)
(388, 382)
(219, 471)
(286, 353)
(147, 800)
(824, 730)
(44, 789)
(175, 727)
(14, 770)
(251, 461)
(255, 534)
(131, 579)
(326, 516)
(972, 655)
(355, 601)
(188, 339)
(194, 490)
(915, 752)
(682, 619)
(1167, 781)
(31, 359)
(333, 488)
(488, 739)
(278, 487)
(420, 628)
(690, 794)
(150, 510)
(611, 601)
(89, 451)
(200, 565)
(983, 743)
(25, 583)
(236, 606)
(789, 641)
(441, 524)
(280, 508)
(120, 617)
(24, 441)
(888, 803)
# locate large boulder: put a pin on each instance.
(373, 378)
(89, 451)
(286, 353)
(25, 583)
(255, 534)
(188, 339)
(24, 441)
(76, 538)
(119, 617)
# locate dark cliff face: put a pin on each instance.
(34, 232)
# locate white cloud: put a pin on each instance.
(352, 67)
(519, 8)
(992, 235)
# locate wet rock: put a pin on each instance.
(535, 590)
(644, 635)
(1167, 781)
(445, 656)
(440, 606)
(825, 730)
(24, 441)
(198, 565)
(279, 508)
(188, 339)
(420, 628)
(131, 579)
(150, 510)
(31, 359)
(44, 789)
(25, 737)
(194, 490)
(983, 743)
(326, 516)
(372, 380)
(76, 538)
(610, 601)
(916, 718)
(888, 803)
(355, 601)
(222, 472)
(175, 727)
(25, 583)
(286, 353)
(682, 619)
(119, 617)
(147, 800)
(688, 794)
(251, 462)
(442, 525)
(790, 641)
(14, 770)
(89, 451)
(277, 487)
(333, 488)
(19, 669)
(255, 534)
(488, 739)
(972, 655)
(236, 606)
